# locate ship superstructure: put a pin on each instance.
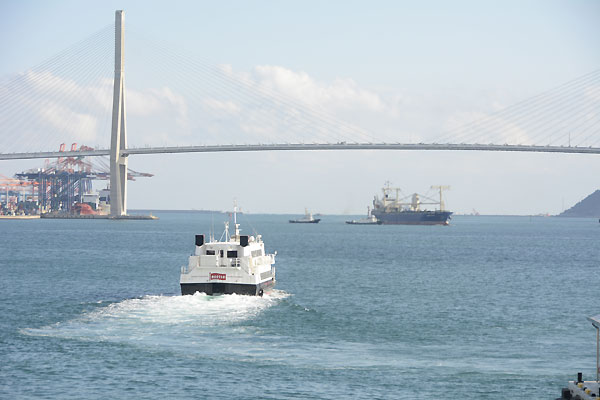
(234, 264)
(393, 209)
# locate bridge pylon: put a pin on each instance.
(118, 141)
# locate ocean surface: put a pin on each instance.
(487, 308)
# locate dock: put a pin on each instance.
(26, 217)
(97, 216)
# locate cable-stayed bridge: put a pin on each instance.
(305, 146)
(79, 95)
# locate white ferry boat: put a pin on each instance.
(235, 264)
(586, 390)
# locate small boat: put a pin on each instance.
(369, 220)
(307, 219)
(236, 264)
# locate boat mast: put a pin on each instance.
(235, 212)
(441, 188)
(235, 224)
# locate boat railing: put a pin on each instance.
(235, 262)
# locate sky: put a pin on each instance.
(402, 69)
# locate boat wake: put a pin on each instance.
(166, 321)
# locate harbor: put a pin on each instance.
(334, 108)
(95, 216)
(19, 217)
(63, 189)
(425, 310)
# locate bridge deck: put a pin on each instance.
(307, 146)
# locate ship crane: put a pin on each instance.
(416, 202)
(441, 188)
(412, 201)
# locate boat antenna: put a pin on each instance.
(234, 212)
(247, 221)
(225, 233)
(235, 224)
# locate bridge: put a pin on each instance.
(556, 117)
(305, 146)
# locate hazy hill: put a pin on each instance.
(588, 207)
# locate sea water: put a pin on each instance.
(486, 308)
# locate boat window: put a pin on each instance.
(210, 252)
(257, 253)
(221, 253)
(232, 254)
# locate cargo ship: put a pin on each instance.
(394, 209)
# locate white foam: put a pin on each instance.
(171, 321)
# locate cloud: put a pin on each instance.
(97, 95)
(156, 116)
(218, 105)
(46, 109)
(155, 101)
(80, 126)
(293, 106)
(274, 104)
(308, 110)
(592, 93)
(339, 94)
(482, 128)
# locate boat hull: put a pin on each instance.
(297, 221)
(413, 217)
(212, 288)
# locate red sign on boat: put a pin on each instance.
(220, 277)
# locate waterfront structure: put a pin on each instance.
(59, 185)
(118, 139)
(119, 150)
